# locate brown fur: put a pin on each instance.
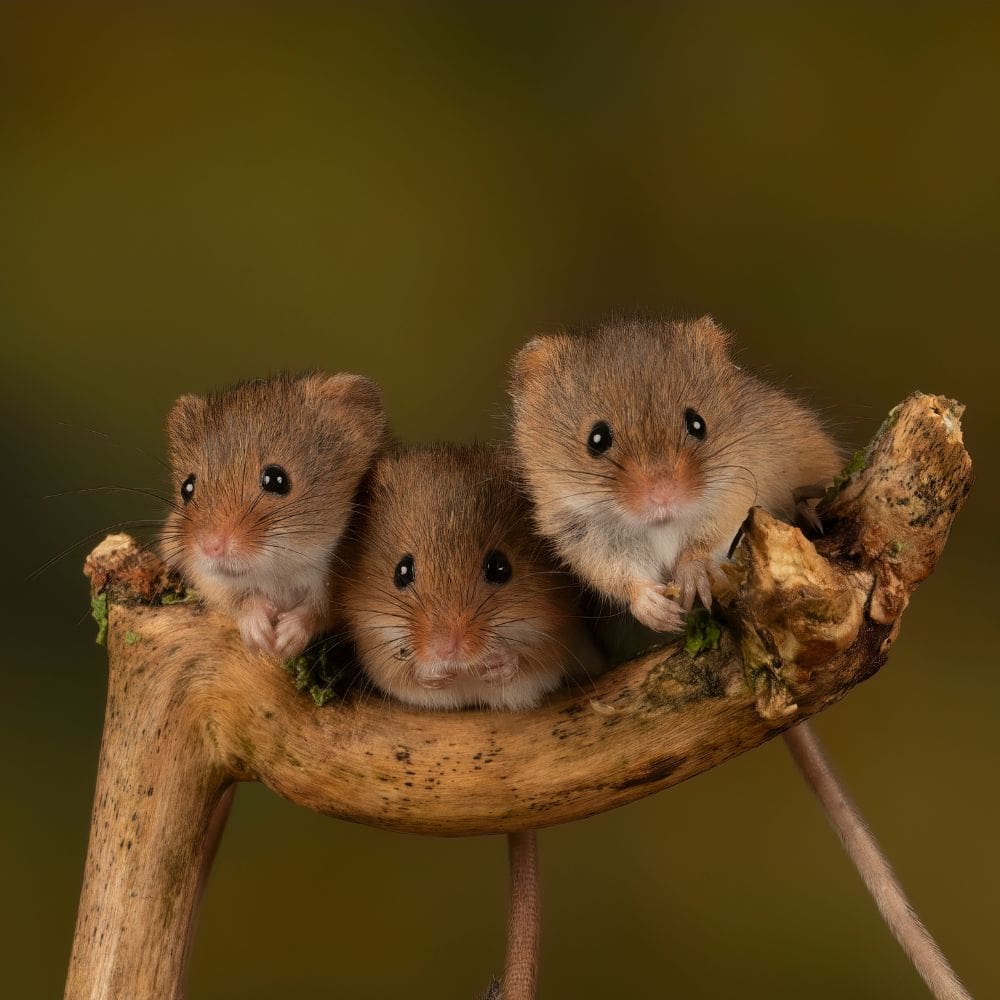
(324, 430)
(640, 377)
(448, 507)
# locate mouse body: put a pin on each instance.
(452, 599)
(265, 475)
(644, 446)
(454, 602)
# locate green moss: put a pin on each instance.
(320, 669)
(890, 421)
(99, 612)
(179, 596)
(702, 632)
(131, 638)
(860, 458)
(856, 464)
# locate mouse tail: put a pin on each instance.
(873, 866)
(520, 974)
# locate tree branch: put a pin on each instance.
(190, 710)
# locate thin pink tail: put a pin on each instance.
(872, 865)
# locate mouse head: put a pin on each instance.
(449, 585)
(264, 475)
(638, 419)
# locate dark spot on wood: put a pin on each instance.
(658, 770)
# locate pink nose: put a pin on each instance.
(446, 645)
(664, 493)
(214, 546)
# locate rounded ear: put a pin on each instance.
(344, 389)
(185, 418)
(534, 359)
(707, 332)
(350, 400)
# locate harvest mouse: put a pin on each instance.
(452, 603)
(266, 474)
(644, 446)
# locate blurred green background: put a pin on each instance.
(191, 196)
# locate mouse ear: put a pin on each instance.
(185, 417)
(534, 358)
(707, 332)
(345, 389)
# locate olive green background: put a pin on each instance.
(188, 198)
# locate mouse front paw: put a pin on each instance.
(256, 625)
(651, 607)
(434, 677)
(807, 499)
(694, 579)
(293, 631)
(499, 668)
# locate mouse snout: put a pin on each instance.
(665, 491)
(446, 643)
(658, 493)
(215, 544)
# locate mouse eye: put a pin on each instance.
(600, 439)
(404, 574)
(274, 479)
(187, 488)
(497, 568)
(695, 424)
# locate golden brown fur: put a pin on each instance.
(642, 377)
(324, 431)
(448, 507)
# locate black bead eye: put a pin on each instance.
(600, 439)
(404, 574)
(497, 568)
(274, 479)
(187, 488)
(695, 424)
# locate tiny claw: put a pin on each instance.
(434, 677)
(293, 631)
(256, 626)
(805, 511)
(499, 668)
(652, 608)
(693, 576)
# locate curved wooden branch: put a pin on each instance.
(190, 710)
